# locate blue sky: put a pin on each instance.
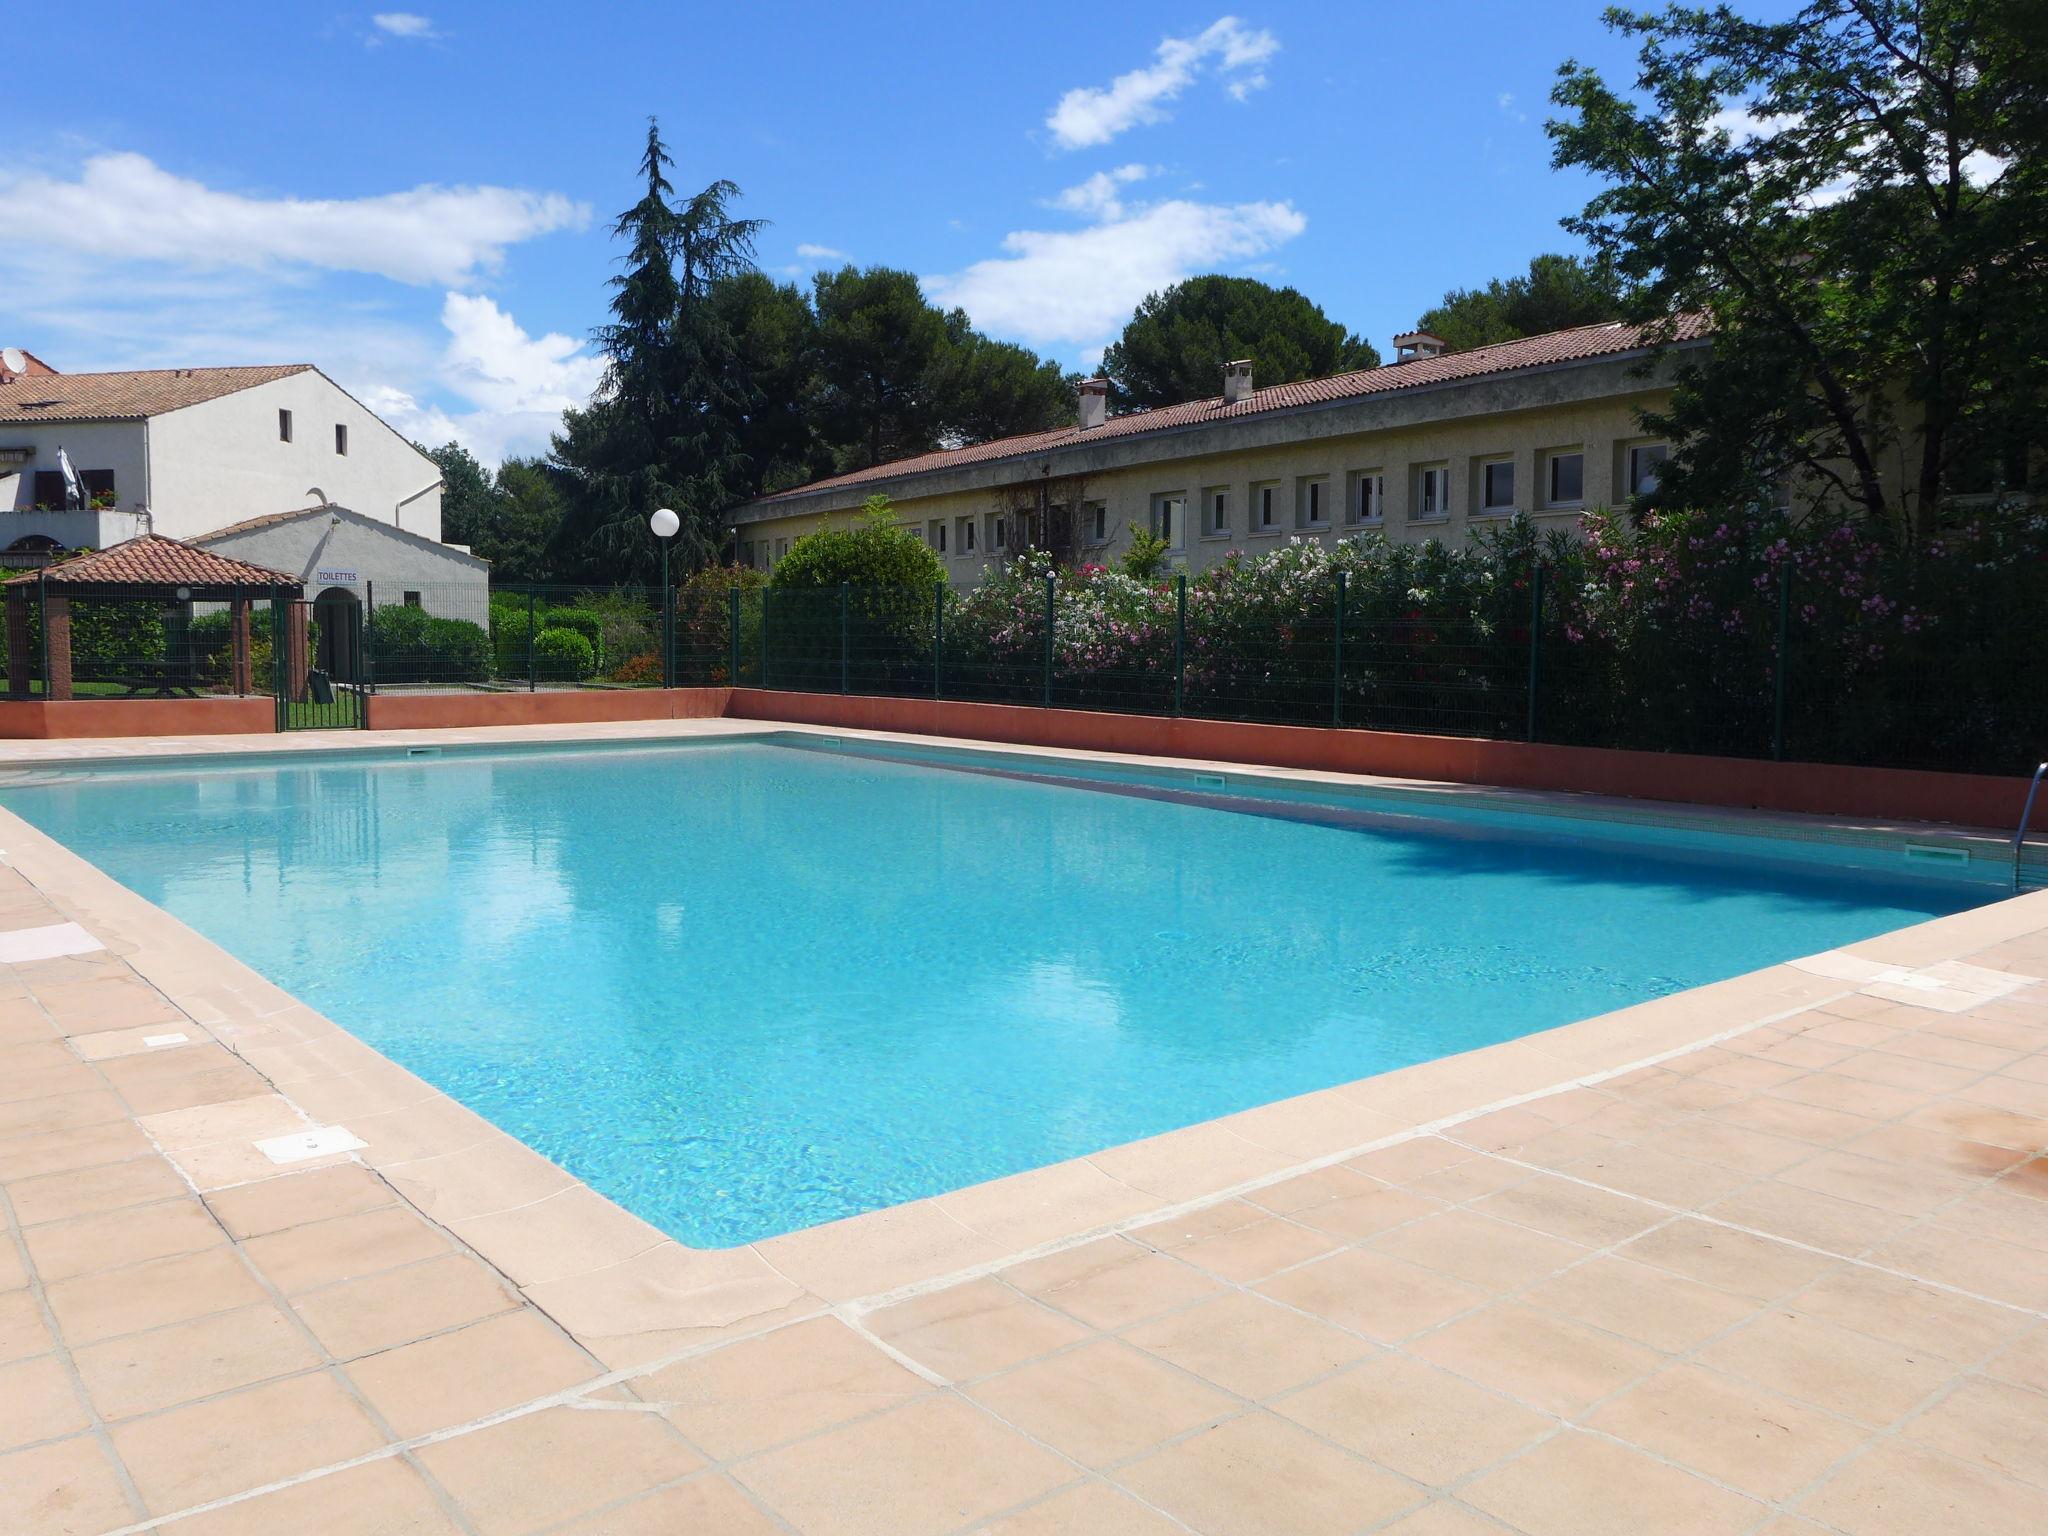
(418, 201)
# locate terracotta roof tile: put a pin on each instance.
(1579, 345)
(127, 396)
(155, 561)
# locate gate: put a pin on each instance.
(318, 664)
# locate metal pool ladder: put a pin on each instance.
(2019, 836)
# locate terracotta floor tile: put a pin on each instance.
(1374, 1293)
(1359, 1216)
(1733, 1261)
(344, 1247)
(1469, 1180)
(1735, 1147)
(1252, 1252)
(1102, 1402)
(22, 1330)
(293, 1200)
(932, 1465)
(1651, 1306)
(1577, 1485)
(1248, 1345)
(85, 1245)
(2013, 1210)
(1847, 1373)
(1445, 1517)
(1916, 1317)
(1110, 1283)
(1976, 1263)
(1480, 1250)
(1899, 1487)
(1424, 1423)
(1915, 1147)
(121, 1301)
(1261, 1476)
(396, 1306)
(1981, 1122)
(548, 1467)
(1569, 1210)
(1771, 1115)
(143, 1372)
(484, 1368)
(206, 1450)
(1660, 1176)
(1551, 1363)
(785, 1384)
(217, 1085)
(90, 1191)
(1318, 1187)
(1406, 1161)
(2023, 1362)
(1827, 1222)
(37, 1402)
(85, 1147)
(1088, 1510)
(380, 1498)
(69, 1488)
(1745, 1436)
(710, 1505)
(973, 1329)
(1992, 1423)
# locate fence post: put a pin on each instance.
(1180, 644)
(532, 671)
(366, 651)
(668, 622)
(766, 680)
(43, 625)
(1535, 642)
(279, 661)
(1784, 635)
(843, 588)
(1048, 639)
(1337, 670)
(938, 633)
(733, 638)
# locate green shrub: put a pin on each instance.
(704, 623)
(890, 575)
(584, 622)
(563, 655)
(410, 645)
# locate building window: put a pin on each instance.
(412, 599)
(49, 491)
(781, 548)
(1310, 506)
(1432, 492)
(1497, 486)
(1368, 496)
(1169, 518)
(1265, 503)
(340, 437)
(1566, 480)
(939, 537)
(966, 535)
(747, 552)
(999, 533)
(1216, 510)
(1646, 467)
(284, 426)
(1096, 519)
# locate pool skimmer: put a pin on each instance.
(320, 1141)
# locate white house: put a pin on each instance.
(187, 451)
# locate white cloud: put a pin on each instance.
(516, 385)
(810, 252)
(1506, 102)
(124, 207)
(405, 24)
(1098, 196)
(1079, 286)
(1092, 114)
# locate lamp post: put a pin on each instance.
(665, 523)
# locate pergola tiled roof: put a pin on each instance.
(1580, 344)
(157, 563)
(131, 396)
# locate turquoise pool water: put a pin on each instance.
(746, 988)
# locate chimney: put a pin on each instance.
(1416, 345)
(1237, 380)
(1094, 402)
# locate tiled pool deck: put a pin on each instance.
(1768, 1256)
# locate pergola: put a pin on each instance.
(141, 569)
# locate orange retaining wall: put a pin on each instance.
(64, 719)
(1823, 789)
(428, 711)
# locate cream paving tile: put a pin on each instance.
(1916, 1317)
(84, 1245)
(567, 1233)
(1414, 1419)
(380, 1498)
(710, 1504)
(90, 1191)
(1566, 1209)
(1818, 1362)
(142, 1372)
(1651, 1306)
(973, 1329)
(481, 1369)
(496, 1174)
(119, 1301)
(1992, 1423)
(67, 1488)
(1480, 1250)
(294, 1199)
(1898, 1486)
(396, 1306)
(1110, 1283)
(37, 1402)
(1579, 1485)
(1250, 1252)
(1375, 1294)
(544, 1468)
(22, 1331)
(930, 1466)
(1087, 1510)
(1551, 1363)
(1261, 1476)
(669, 1288)
(1739, 1262)
(869, 1254)
(342, 1247)
(1102, 1402)
(1247, 1344)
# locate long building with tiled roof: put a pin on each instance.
(1432, 445)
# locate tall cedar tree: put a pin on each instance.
(1178, 340)
(1859, 199)
(661, 429)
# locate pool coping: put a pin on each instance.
(633, 1296)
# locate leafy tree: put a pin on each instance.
(528, 518)
(661, 430)
(466, 492)
(1858, 199)
(1178, 340)
(989, 389)
(774, 339)
(1557, 293)
(880, 347)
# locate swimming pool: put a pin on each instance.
(742, 988)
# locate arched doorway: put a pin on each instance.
(339, 613)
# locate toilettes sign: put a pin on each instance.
(338, 577)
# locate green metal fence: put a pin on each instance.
(1969, 694)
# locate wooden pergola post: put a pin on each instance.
(18, 673)
(238, 628)
(57, 645)
(296, 641)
